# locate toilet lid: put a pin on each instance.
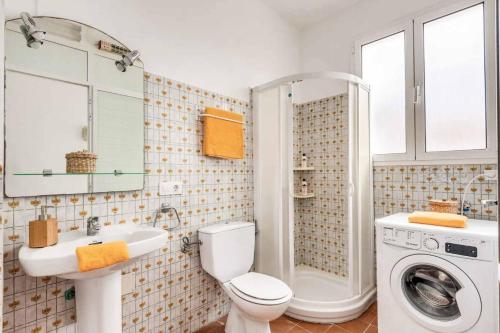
(261, 286)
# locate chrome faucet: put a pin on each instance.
(93, 226)
(489, 203)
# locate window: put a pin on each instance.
(455, 108)
(383, 65)
(445, 106)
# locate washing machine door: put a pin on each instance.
(435, 293)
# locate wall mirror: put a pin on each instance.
(69, 94)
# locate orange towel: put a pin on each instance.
(441, 219)
(223, 138)
(97, 256)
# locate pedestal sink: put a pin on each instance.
(98, 293)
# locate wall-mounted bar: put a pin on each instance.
(221, 118)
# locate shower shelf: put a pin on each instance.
(303, 196)
(303, 169)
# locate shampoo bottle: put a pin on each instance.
(304, 161)
(304, 190)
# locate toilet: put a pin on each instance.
(227, 253)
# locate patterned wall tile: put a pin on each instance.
(408, 188)
(321, 230)
(172, 293)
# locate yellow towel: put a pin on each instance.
(223, 138)
(441, 219)
(92, 257)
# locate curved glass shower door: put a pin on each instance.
(321, 226)
(314, 216)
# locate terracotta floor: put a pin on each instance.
(367, 323)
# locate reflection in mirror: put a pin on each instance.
(70, 87)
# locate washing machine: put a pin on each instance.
(435, 279)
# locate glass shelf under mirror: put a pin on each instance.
(49, 174)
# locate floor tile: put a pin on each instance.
(212, 328)
(219, 329)
(371, 329)
(368, 317)
(222, 320)
(373, 308)
(293, 320)
(281, 325)
(354, 326)
(314, 328)
(296, 329)
(336, 329)
(366, 323)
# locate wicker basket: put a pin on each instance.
(80, 162)
(443, 206)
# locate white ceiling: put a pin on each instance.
(302, 13)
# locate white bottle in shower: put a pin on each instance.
(304, 161)
(304, 187)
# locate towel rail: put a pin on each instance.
(221, 118)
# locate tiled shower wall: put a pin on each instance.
(321, 230)
(172, 293)
(407, 188)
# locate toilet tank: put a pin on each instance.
(227, 250)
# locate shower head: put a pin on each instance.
(127, 60)
(34, 36)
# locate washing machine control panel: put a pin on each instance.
(401, 237)
(439, 243)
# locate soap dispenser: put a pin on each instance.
(43, 232)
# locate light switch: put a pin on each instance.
(170, 188)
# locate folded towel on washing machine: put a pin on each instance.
(441, 219)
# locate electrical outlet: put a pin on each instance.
(170, 188)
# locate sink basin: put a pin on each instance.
(60, 259)
(98, 292)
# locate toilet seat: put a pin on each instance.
(260, 289)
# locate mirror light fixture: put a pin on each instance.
(34, 36)
(127, 60)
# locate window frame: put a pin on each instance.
(490, 82)
(414, 72)
(407, 28)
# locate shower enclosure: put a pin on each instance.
(313, 192)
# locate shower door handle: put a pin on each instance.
(351, 189)
(417, 94)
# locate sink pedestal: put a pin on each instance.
(98, 292)
(99, 304)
